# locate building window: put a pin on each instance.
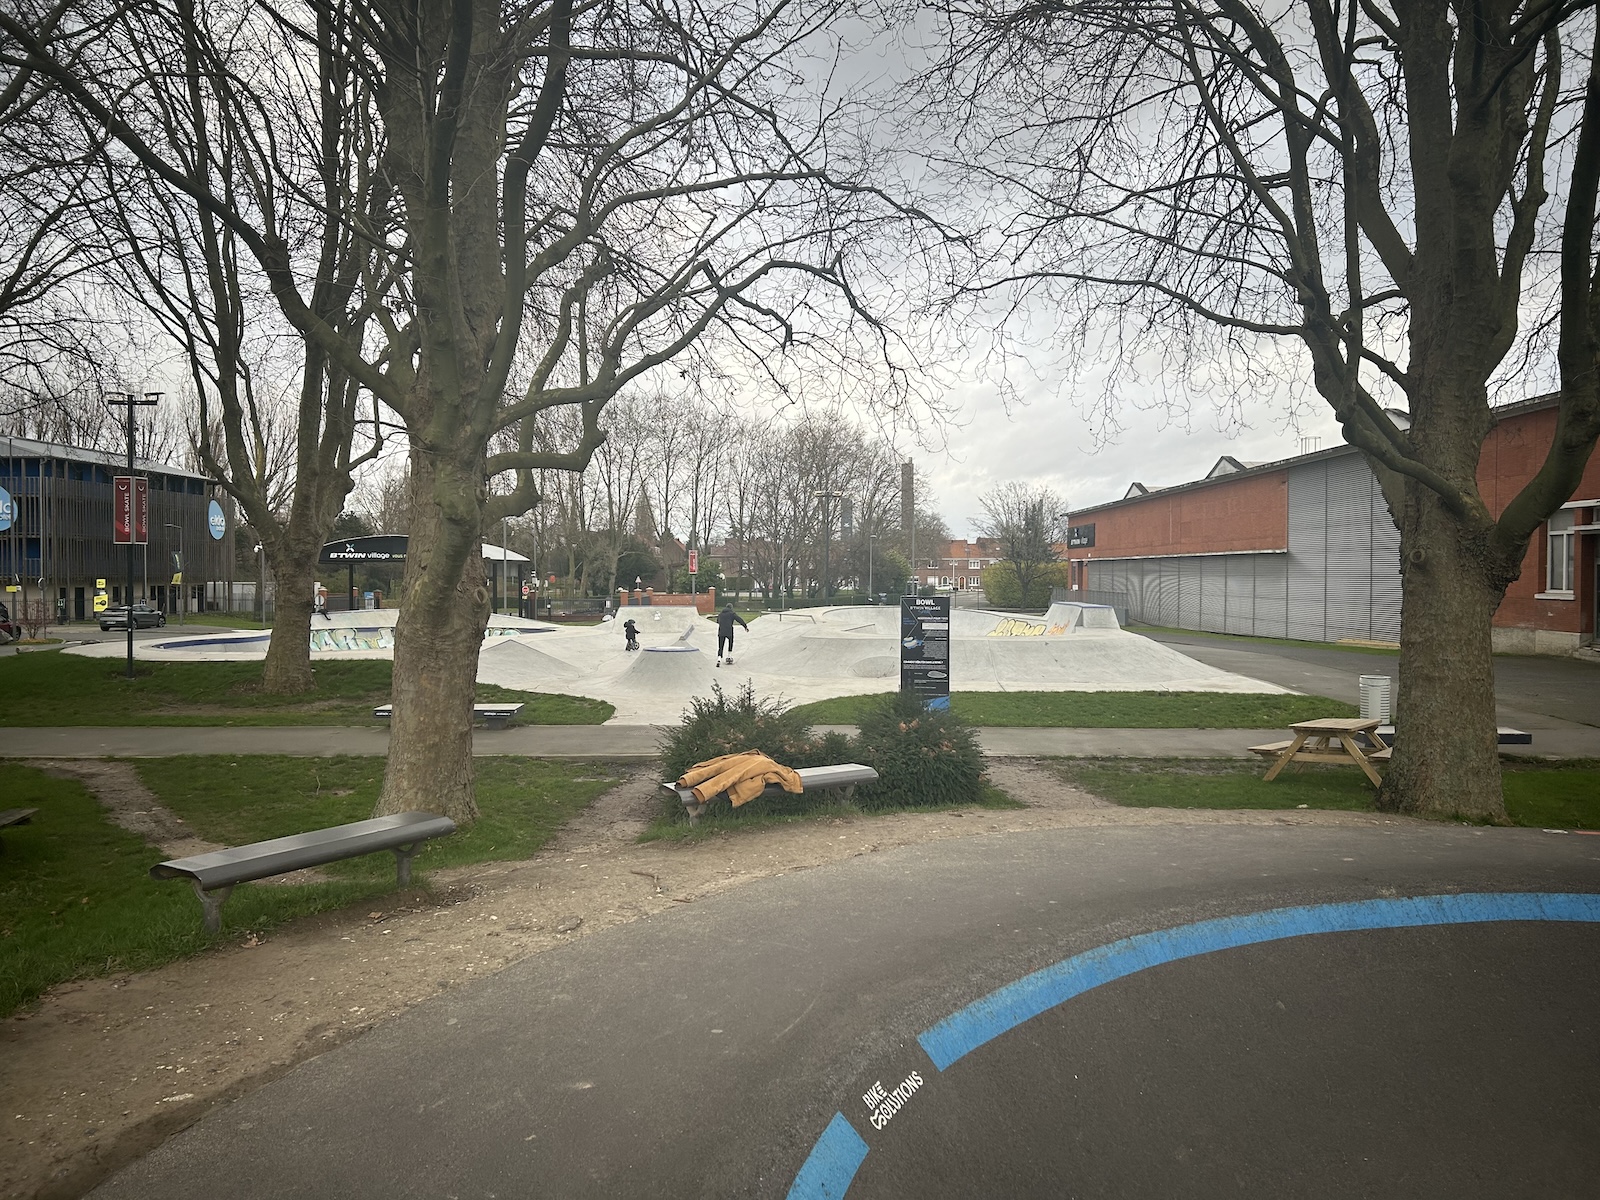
(1558, 569)
(973, 564)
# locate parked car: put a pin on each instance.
(144, 617)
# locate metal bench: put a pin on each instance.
(495, 716)
(214, 875)
(15, 816)
(842, 777)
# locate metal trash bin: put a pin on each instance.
(1376, 702)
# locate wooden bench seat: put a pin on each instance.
(495, 716)
(214, 874)
(1271, 749)
(841, 777)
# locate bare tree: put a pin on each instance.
(1354, 194)
(595, 190)
(1026, 522)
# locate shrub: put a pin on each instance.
(923, 759)
(1000, 586)
(715, 725)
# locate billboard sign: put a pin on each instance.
(8, 510)
(130, 519)
(1081, 537)
(384, 547)
(925, 649)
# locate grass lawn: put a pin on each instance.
(1538, 795)
(76, 899)
(217, 620)
(670, 825)
(67, 689)
(1105, 710)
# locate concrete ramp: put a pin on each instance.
(511, 663)
(668, 671)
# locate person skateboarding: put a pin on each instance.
(726, 619)
(632, 633)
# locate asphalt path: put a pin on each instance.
(1532, 692)
(795, 1037)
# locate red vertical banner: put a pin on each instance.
(122, 510)
(141, 510)
(694, 562)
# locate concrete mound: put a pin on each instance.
(508, 662)
(676, 671)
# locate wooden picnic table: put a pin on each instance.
(1330, 740)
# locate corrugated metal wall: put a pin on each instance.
(1339, 579)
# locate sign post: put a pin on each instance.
(131, 508)
(925, 649)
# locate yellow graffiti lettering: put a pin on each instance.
(1013, 627)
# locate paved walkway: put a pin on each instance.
(642, 741)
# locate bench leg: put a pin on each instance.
(694, 811)
(211, 903)
(402, 863)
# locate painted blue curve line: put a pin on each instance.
(832, 1163)
(1006, 1008)
(840, 1151)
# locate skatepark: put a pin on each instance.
(1309, 1005)
(801, 656)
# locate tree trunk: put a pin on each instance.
(287, 670)
(1447, 759)
(443, 614)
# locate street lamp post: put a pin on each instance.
(183, 604)
(131, 399)
(871, 537)
(261, 581)
(827, 528)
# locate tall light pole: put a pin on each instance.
(131, 399)
(261, 581)
(183, 604)
(825, 495)
(871, 537)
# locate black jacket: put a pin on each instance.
(725, 620)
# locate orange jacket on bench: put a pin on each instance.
(744, 776)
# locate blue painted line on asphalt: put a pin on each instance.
(840, 1151)
(1002, 1010)
(832, 1163)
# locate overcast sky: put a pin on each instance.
(1049, 442)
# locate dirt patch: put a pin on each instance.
(130, 804)
(101, 1071)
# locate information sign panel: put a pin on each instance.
(925, 649)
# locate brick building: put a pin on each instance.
(1305, 548)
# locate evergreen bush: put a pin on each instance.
(923, 758)
(717, 724)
